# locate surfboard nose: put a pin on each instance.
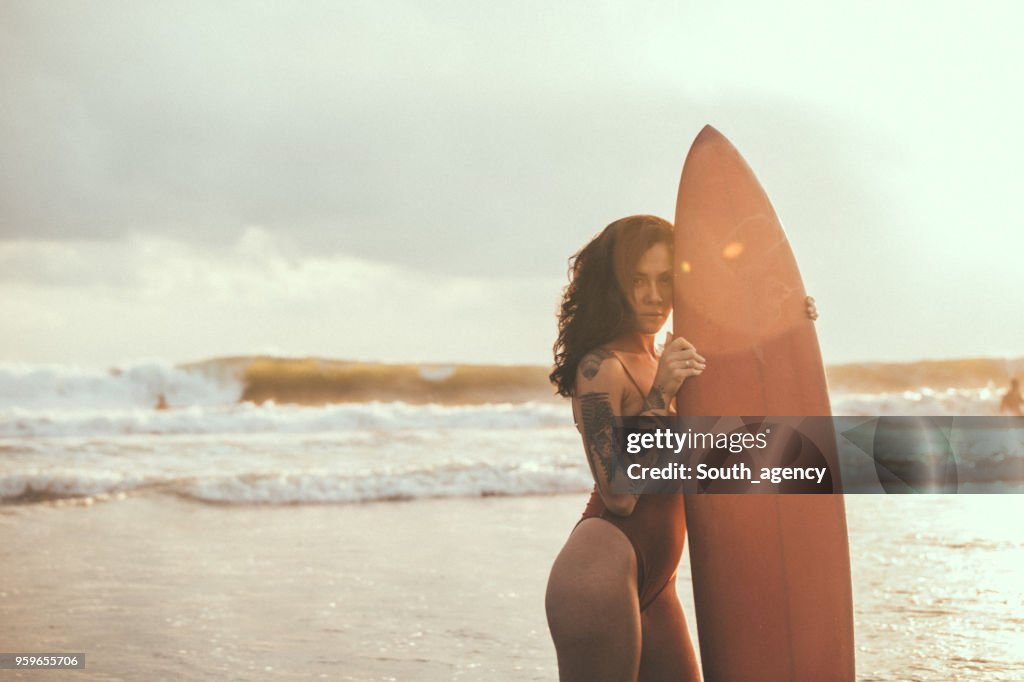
(708, 133)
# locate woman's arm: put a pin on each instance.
(679, 361)
(598, 398)
(655, 404)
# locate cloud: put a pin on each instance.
(445, 138)
(154, 297)
(365, 129)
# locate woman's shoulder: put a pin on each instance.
(599, 370)
(595, 360)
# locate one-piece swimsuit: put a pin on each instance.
(656, 529)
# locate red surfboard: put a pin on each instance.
(771, 573)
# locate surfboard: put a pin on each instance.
(771, 573)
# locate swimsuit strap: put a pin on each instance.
(628, 374)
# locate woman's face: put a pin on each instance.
(652, 289)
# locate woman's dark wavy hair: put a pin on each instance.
(594, 307)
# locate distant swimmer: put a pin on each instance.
(1012, 400)
(161, 403)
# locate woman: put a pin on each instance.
(611, 601)
(1012, 400)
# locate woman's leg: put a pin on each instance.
(667, 652)
(592, 606)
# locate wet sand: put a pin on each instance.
(156, 587)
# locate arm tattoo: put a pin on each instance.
(655, 399)
(598, 435)
(590, 365)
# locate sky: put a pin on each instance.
(405, 181)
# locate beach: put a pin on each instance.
(154, 586)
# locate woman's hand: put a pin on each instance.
(679, 361)
(812, 311)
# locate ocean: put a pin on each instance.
(269, 430)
